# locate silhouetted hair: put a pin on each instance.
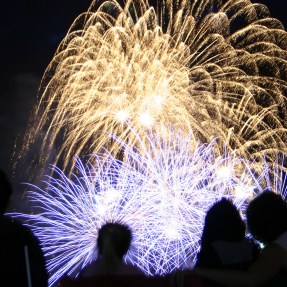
(223, 222)
(5, 191)
(267, 216)
(119, 235)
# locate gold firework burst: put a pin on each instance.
(217, 68)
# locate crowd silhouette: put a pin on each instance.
(267, 222)
(227, 257)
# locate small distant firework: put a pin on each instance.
(162, 192)
(216, 67)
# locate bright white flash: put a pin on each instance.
(122, 116)
(145, 119)
(224, 172)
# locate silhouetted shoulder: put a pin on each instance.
(282, 241)
(94, 269)
(21, 255)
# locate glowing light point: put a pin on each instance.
(172, 233)
(224, 172)
(158, 100)
(243, 191)
(145, 119)
(102, 209)
(122, 116)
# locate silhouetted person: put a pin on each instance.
(22, 261)
(267, 221)
(113, 243)
(223, 241)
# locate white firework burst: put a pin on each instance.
(162, 191)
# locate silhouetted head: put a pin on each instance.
(223, 222)
(5, 191)
(267, 216)
(118, 235)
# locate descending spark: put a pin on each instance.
(273, 177)
(216, 67)
(161, 191)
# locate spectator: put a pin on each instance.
(22, 261)
(223, 241)
(113, 242)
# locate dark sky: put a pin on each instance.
(31, 31)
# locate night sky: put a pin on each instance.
(31, 31)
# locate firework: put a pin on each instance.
(162, 192)
(216, 68)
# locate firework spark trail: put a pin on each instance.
(273, 177)
(218, 69)
(162, 192)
